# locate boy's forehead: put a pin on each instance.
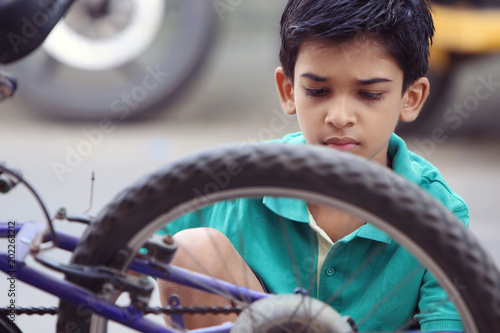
(360, 45)
(363, 58)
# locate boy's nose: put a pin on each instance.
(340, 115)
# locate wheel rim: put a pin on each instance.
(103, 43)
(450, 286)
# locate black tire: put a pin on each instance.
(410, 215)
(56, 89)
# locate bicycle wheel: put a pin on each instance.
(119, 61)
(313, 174)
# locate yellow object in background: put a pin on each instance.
(463, 30)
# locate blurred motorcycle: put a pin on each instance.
(116, 59)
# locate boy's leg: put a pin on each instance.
(210, 252)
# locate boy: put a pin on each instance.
(350, 70)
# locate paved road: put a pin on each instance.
(233, 101)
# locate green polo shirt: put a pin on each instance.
(365, 275)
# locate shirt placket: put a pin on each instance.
(332, 278)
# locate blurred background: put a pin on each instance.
(229, 96)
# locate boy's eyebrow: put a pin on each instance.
(314, 77)
(366, 82)
(372, 81)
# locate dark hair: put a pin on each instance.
(403, 27)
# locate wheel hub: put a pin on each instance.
(97, 38)
(291, 313)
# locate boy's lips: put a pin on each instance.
(342, 144)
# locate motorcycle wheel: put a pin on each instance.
(118, 62)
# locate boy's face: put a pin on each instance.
(349, 97)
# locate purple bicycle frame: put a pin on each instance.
(86, 300)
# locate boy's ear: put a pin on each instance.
(414, 99)
(285, 90)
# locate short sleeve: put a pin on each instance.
(212, 216)
(436, 312)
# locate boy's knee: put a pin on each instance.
(201, 248)
(202, 240)
(199, 237)
(210, 252)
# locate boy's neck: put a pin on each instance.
(335, 223)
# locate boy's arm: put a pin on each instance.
(203, 218)
(436, 311)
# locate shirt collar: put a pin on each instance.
(289, 208)
(296, 210)
(369, 231)
(401, 159)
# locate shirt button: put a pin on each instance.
(330, 271)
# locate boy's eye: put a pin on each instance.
(370, 96)
(316, 92)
